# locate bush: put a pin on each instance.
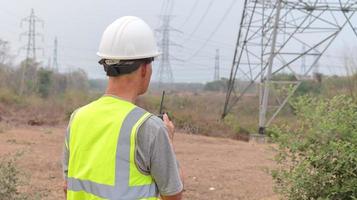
(219, 85)
(309, 87)
(317, 158)
(9, 180)
(44, 82)
(8, 97)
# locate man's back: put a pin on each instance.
(114, 143)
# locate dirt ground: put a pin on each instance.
(214, 168)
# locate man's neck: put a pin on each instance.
(123, 89)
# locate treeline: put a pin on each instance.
(40, 95)
(31, 78)
(37, 93)
(317, 85)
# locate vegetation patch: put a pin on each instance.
(318, 156)
(10, 180)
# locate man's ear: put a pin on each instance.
(143, 70)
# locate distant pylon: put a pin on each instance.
(55, 51)
(31, 35)
(49, 63)
(303, 60)
(30, 48)
(216, 66)
(164, 73)
(317, 64)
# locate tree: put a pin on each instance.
(44, 82)
(220, 85)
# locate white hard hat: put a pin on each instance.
(128, 38)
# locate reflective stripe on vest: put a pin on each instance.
(128, 182)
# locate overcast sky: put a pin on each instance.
(79, 25)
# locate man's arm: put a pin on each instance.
(171, 131)
(174, 197)
(159, 158)
(65, 160)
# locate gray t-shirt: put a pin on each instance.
(153, 155)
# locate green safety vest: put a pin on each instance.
(101, 142)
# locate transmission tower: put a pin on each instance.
(303, 60)
(55, 50)
(269, 40)
(164, 73)
(31, 35)
(216, 66)
(49, 63)
(31, 47)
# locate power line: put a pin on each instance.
(201, 20)
(233, 2)
(9, 12)
(190, 13)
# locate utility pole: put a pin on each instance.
(55, 51)
(216, 66)
(31, 47)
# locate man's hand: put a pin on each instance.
(65, 189)
(170, 127)
(174, 197)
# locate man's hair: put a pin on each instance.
(115, 68)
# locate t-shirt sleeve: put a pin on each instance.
(65, 159)
(156, 156)
(65, 155)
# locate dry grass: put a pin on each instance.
(33, 110)
(201, 113)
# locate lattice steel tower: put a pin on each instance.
(31, 35)
(165, 72)
(216, 66)
(55, 51)
(269, 41)
(31, 47)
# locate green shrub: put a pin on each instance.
(44, 77)
(9, 180)
(318, 157)
(218, 85)
(309, 87)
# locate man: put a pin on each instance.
(114, 149)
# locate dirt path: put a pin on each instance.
(214, 168)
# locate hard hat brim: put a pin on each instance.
(103, 56)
